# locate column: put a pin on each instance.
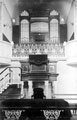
(22, 89)
(52, 89)
(30, 88)
(46, 91)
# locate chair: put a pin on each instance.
(38, 93)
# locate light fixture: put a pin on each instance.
(64, 43)
(13, 21)
(62, 21)
(12, 43)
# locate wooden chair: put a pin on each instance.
(38, 93)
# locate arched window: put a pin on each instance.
(54, 31)
(24, 30)
(54, 27)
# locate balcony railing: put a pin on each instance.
(5, 52)
(24, 49)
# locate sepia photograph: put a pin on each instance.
(38, 59)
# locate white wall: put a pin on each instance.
(16, 72)
(5, 53)
(12, 7)
(66, 81)
(0, 22)
(70, 21)
(6, 23)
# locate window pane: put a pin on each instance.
(24, 31)
(54, 35)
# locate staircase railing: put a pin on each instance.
(6, 78)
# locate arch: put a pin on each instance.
(54, 12)
(24, 21)
(54, 21)
(24, 30)
(54, 31)
(24, 13)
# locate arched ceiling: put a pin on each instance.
(40, 7)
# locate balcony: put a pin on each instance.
(5, 53)
(54, 51)
(71, 47)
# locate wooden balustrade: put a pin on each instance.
(4, 79)
(23, 50)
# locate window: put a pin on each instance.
(24, 30)
(54, 27)
(54, 36)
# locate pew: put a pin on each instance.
(52, 109)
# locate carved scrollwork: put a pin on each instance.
(51, 114)
(22, 50)
(12, 114)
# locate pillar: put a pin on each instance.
(30, 88)
(46, 91)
